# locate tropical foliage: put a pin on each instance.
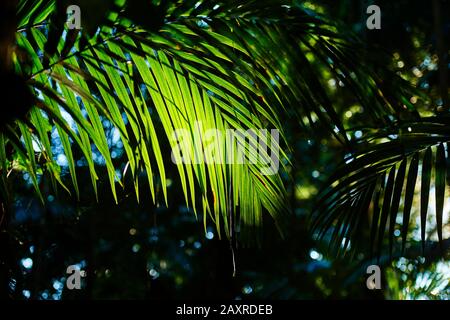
(79, 99)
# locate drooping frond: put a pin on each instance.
(137, 81)
(192, 65)
(381, 177)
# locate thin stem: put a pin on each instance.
(442, 56)
(37, 25)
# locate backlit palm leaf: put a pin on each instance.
(119, 81)
(229, 65)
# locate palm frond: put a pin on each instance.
(137, 81)
(380, 177)
(227, 66)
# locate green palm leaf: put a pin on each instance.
(228, 65)
(386, 164)
(121, 80)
